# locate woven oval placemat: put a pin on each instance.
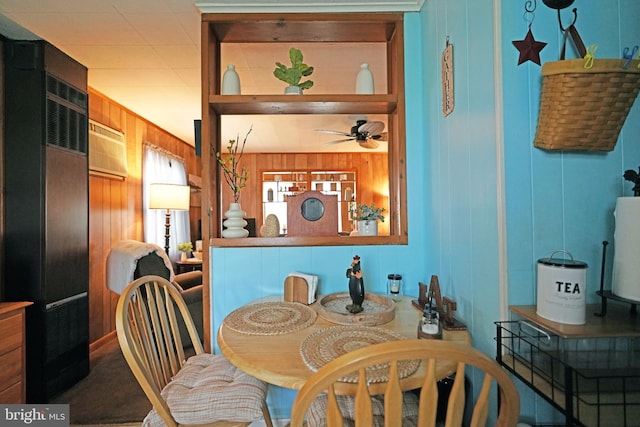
(326, 344)
(270, 318)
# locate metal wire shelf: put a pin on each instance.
(593, 381)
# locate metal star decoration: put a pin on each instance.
(529, 48)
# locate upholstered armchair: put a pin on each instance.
(131, 259)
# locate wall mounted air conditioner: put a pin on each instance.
(107, 150)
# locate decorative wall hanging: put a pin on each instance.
(447, 79)
(529, 48)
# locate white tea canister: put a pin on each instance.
(562, 286)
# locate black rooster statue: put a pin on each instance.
(633, 176)
(356, 286)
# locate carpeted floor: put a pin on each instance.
(109, 394)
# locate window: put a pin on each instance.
(162, 168)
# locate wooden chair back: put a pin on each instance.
(148, 331)
(429, 352)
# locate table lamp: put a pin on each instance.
(169, 197)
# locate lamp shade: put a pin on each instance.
(169, 196)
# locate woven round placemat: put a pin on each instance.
(326, 344)
(270, 318)
(338, 305)
(376, 309)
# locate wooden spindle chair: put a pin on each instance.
(204, 389)
(429, 352)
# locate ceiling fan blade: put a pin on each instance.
(338, 141)
(384, 136)
(334, 132)
(372, 128)
(369, 143)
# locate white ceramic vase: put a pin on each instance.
(364, 81)
(367, 228)
(235, 223)
(230, 81)
(183, 256)
(348, 194)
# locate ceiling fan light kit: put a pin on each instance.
(366, 133)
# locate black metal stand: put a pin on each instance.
(167, 227)
(604, 295)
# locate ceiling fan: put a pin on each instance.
(365, 133)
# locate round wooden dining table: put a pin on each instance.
(277, 359)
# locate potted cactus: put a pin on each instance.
(294, 74)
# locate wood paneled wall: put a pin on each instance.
(371, 168)
(115, 206)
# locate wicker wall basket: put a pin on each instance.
(583, 109)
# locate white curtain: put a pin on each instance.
(160, 168)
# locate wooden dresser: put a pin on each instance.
(12, 352)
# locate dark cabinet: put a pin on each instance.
(46, 211)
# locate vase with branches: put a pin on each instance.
(236, 178)
(229, 162)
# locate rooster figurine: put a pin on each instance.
(633, 176)
(356, 286)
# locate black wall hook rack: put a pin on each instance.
(558, 5)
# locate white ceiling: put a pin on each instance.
(145, 54)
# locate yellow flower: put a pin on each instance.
(185, 246)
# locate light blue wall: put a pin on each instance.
(552, 200)
(561, 200)
(461, 162)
